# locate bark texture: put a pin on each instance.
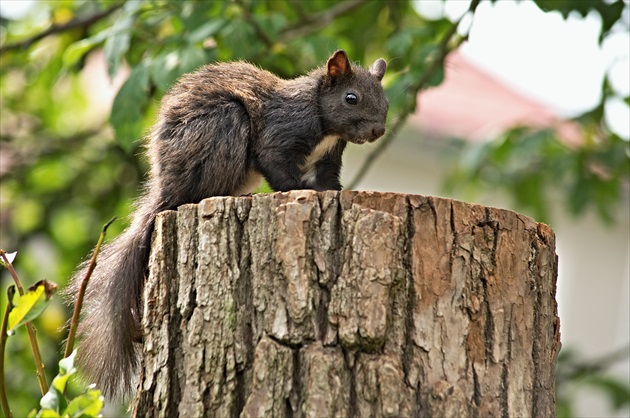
(357, 304)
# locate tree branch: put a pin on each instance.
(83, 22)
(74, 322)
(445, 49)
(262, 35)
(306, 24)
(312, 23)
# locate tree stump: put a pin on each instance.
(358, 304)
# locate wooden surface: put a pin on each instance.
(349, 304)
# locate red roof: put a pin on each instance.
(471, 104)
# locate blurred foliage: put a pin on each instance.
(55, 404)
(588, 169)
(66, 167)
(575, 373)
(536, 168)
(609, 11)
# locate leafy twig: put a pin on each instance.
(77, 307)
(83, 22)
(32, 333)
(20, 156)
(306, 24)
(315, 22)
(297, 6)
(383, 143)
(262, 35)
(446, 46)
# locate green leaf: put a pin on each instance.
(75, 51)
(436, 77)
(49, 404)
(610, 11)
(475, 157)
(66, 369)
(400, 94)
(54, 401)
(564, 408)
(400, 43)
(165, 70)
(127, 110)
(89, 404)
(31, 303)
(264, 187)
(191, 58)
(271, 23)
(47, 413)
(206, 30)
(168, 67)
(117, 44)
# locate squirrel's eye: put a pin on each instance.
(351, 98)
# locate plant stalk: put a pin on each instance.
(3, 344)
(79, 303)
(32, 333)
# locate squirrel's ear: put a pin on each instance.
(339, 64)
(378, 68)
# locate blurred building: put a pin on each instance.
(473, 105)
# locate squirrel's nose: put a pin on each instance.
(378, 132)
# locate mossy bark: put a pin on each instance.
(358, 304)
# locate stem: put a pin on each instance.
(77, 306)
(3, 344)
(39, 363)
(380, 148)
(32, 334)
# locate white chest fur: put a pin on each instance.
(308, 169)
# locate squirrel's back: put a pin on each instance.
(195, 92)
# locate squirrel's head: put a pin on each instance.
(352, 100)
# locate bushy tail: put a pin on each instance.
(109, 331)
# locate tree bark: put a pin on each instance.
(358, 304)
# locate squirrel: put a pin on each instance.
(220, 130)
